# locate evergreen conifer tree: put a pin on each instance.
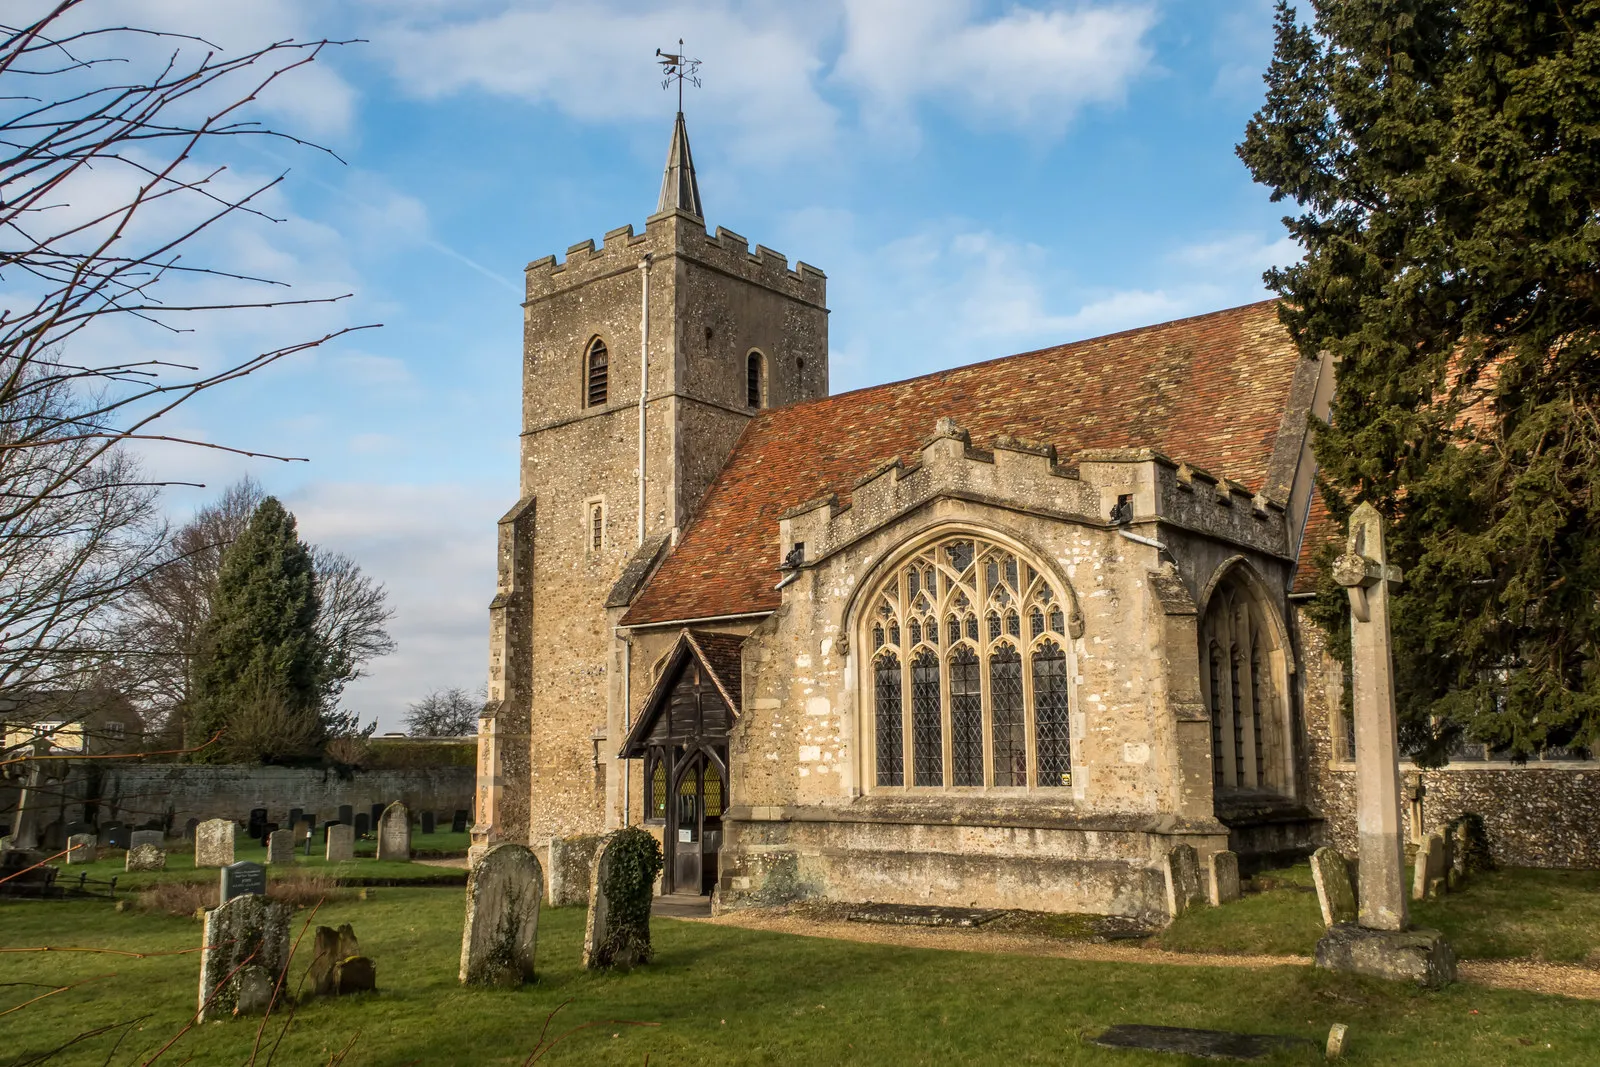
(1445, 157)
(261, 663)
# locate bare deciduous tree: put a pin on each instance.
(451, 712)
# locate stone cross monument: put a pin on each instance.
(1379, 943)
(1368, 577)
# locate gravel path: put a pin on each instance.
(1528, 975)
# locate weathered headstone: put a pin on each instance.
(621, 884)
(81, 848)
(1335, 1047)
(569, 868)
(329, 948)
(354, 974)
(1181, 869)
(246, 950)
(146, 858)
(1468, 838)
(240, 879)
(280, 846)
(147, 837)
(394, 833)
(1335, 893)
(341, 843)
(458, 821)
(1224, 870)
(347, 814)
(363, 824)
(1380, 945)
(25, 826)
(1414, 797)
(501, 931)
(213, 843)
(1430, 868)
(428, 822)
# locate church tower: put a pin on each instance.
(643, 360)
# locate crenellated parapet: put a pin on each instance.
(1140, 487)
(675, 233)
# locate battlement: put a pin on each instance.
(1027, 475)
(675, 233)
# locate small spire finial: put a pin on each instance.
(679, 68)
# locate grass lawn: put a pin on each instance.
(728, 996)
(1514, 913)
(181, 868)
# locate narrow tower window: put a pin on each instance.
(594, 527)
(752, 380)
(596, 374)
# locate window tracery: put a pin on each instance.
(1249, 735)
(973, 698)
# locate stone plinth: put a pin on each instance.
(1420, 956)
(251, 928)
(394, 833)
(146, 858)
(501, 931)
(341, 843)
(213, 843)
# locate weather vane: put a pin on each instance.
(678, 68)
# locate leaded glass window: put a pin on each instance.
(1238, 718)
(1255, 712)
(1215, 659)
(1250, 738)
(658, 789)
(977, 695)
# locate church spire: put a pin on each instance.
(679, 190)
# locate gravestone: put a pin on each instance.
(1202, 1044)
(363, 824)
(1380, 944)
(347, 814)
(247, 928)
(341, 844)
(617, 933)
(239, 879)
(1224, 870)
(1414, 797)
(117, 835)
(25, 825)
(1468, 839)
(310, 817)
(189, 828)
(256, 827)
(146, 858)
(54, 835)
(354, 974)
(337, 966)
(1182, 871)
(295, 815)
(428, 823)
(504, 889)
(458, 822)
(1427, 876)
(80, 849)
(213, 843)
(74, 829)
(147, 837)
(1336, 895)
(280, 846)
(394, 833)
(374, 816)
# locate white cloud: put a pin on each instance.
(1027, 67)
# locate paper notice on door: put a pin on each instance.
(686, 837)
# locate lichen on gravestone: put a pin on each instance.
(621, 888)
(245, 949)
(145, 858)
(330, 948)
(1336, 894)
(500, 934)
(1182, 872)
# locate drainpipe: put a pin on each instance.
(644, 377)
(627, 724)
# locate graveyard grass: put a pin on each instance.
(730, 996)
(1515, 913)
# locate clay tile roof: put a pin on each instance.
(722, 658)
(1320, 529)
(1209, 390)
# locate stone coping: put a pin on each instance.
(1000, 814)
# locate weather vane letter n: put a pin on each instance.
(678, 68)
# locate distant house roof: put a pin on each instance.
(1209, 390)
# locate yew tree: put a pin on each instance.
(1444, 159)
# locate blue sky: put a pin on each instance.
(975, 179)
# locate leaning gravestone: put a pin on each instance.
(621, 885)
(213, 843)
(504, 890)
(341, 844)
(394, 833)
(247, 928)
(1224, 870)
(146, 858)
(147, 837)
(240, 879)
(1182, 870)
(280, 846)
(1336, 895)
(80, 848)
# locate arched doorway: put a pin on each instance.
(1242, 674)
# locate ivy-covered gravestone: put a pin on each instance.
(1469, 841)
(620, 891)
(504, 890)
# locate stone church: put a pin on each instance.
(998, 636)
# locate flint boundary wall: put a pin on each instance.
(134, 794)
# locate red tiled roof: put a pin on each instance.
(1320, 529)
(1208, 390)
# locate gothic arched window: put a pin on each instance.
(596, 374)
(984, 664)
(752, 380)
(1249, 723)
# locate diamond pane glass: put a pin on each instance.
(966, 718)
(889, 721)
(1013, 624)
(994, 626)
(1035, 623)
(916, 631)
(658, 789)
(931, 627)
(877, 636)
(960, 555)
(1216, 717)
(1010, 731)
(927, 733)
(1051, 740)
(953, 626)
(972, 627)
(713, 792)
(1058, 621)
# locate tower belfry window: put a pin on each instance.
(596, 374)
(752, 382)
